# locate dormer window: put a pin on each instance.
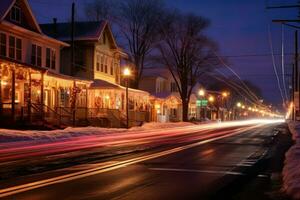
(15, 14)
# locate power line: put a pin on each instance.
(274, 64)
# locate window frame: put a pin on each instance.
(13, 14)
(3, 44)
(50, 58)
(14, 50)
(37, 59)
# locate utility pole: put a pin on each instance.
(72, 71)
(296, 75)
(288, 22)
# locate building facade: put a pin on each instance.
(29, 66)
(97, 58)
(165, 97)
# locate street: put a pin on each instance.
(188, 167)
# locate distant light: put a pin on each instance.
(201, 92)
(211, 99)
(225, 94)
(239, 104)
(127, 72)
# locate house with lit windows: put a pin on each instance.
(165, 98)
(31, 84)
(97, 58)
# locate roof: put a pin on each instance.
(102, 84)
(6, 5)
(166, 95)
(86, 30)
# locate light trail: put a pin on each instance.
(133, 138)
(115, 165)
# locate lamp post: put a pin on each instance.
(201, 94)
(224, 101)
(211, 99)
(126, 74)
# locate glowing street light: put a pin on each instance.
(127, 74)
(211, 98)
(225, 94)
(239, 104)
(201, 92)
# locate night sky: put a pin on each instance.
(239, 26)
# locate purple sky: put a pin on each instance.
(239, 26)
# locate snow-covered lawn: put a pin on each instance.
(291, 170)
(7, 135)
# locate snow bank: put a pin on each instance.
(7, 135)
(291, 170)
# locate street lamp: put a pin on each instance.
(127, 74)
(225, 94)
(239, 104)
(201, 93)
(211, 99)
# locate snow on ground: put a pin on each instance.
(7, 135)
(291, 170)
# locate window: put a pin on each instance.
(105, 66)
(36, 55)
(104, 38)
(19, 49)
(15, 48)
(102, 63)
(12, 47)
(53, 59)
(98, 63)
(15, 14)
(50, 58)
(2, 44)
(112, 67)
(173, 87)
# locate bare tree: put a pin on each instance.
(137, 26)
(138, 21)
(187, 52)
(99, 10)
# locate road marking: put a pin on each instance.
(85, 173)
(198, 171)
(263, 176)
(244, 165)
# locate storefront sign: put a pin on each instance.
(202, 102)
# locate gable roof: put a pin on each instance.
(84, 31)
(6, 5)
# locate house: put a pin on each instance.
(98, 59)
(166, 99)
(30, 81)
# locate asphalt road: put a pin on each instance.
(191, 170)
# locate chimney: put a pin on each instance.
(55, 27)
